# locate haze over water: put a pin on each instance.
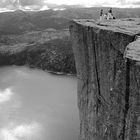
(35, 105)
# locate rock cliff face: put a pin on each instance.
(108, 78)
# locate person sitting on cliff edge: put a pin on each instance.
(110, 14)
(101, 15)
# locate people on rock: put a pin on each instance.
(106, 16)
(101, 15)
(110, 14)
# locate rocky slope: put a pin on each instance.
(18, 22)
(108, 72)
(51, 53)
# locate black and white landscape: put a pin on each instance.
(38, 84)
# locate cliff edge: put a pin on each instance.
(108, 70)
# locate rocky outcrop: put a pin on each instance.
(108, 80)
(55, 56)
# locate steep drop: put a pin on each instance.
(108, 81)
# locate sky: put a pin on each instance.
(96, 2)
(42, 4)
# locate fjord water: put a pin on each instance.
(36, 105)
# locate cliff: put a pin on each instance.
(108, 70)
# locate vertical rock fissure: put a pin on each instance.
(97, 74)
(127, 94)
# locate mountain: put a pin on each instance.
(20, 21)
(41, 39)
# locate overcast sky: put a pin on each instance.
(36, 4)
(95, 2)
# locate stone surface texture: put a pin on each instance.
(108, 81)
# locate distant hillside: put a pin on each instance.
(41, 39)
(18, 22)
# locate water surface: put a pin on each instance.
(35, 105)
